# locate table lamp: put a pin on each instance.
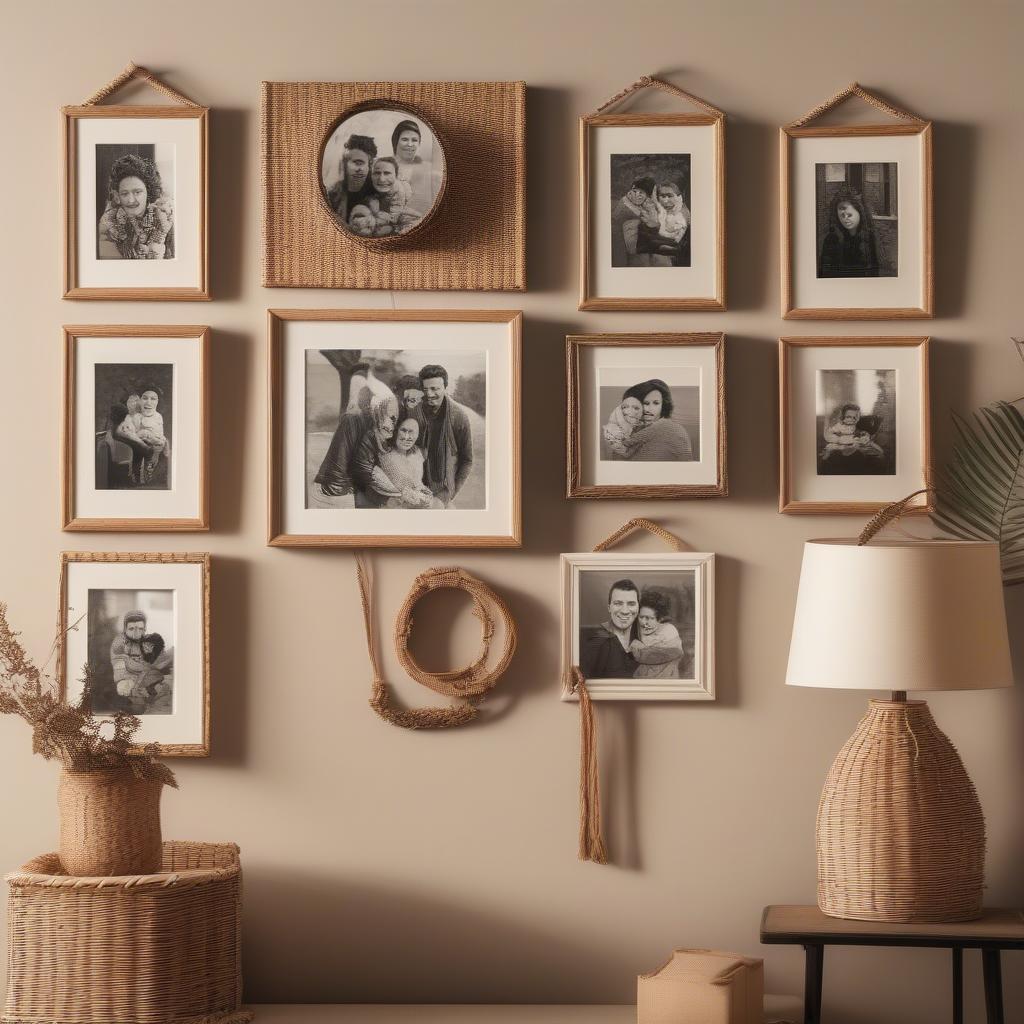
(900, 832)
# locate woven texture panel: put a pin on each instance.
(476, 241)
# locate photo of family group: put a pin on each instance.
(650, 420)
(857, 220)
(131, 652)
(133, 405)
(637, 625)
(396, 429)
(134, 201)
(650, 210)
(856, 422)
(382, 171)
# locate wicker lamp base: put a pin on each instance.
(900, 832)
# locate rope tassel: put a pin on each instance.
(592, 846)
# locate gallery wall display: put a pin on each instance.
(135, 197)
(394, 185)
(646, 416)
(394, 428)
(135, 446)
(856, 211)
(140, 625)
(652, 207)
(639, 626)
(854, 424)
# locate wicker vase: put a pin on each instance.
(109, 824)
(901, 836)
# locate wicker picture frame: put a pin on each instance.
(78, 625)
(474, 242)
(71, 520)
(789, 499)
(576, 346)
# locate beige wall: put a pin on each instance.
(391, 866)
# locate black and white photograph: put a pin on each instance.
(396, 429)
(131, 651)
(382, 172)
(856, 422)
(640, 627)
(857, 219)
(134, 201)
(649, 420)
(134, 425)
(650, 210)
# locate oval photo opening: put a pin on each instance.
(382, 172)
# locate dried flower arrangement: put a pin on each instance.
(65, 732)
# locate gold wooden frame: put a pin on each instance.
(174, 293)
(72, 523)
(276, 318)
(177, 557)
(590, 301)
(790, 312)
(787, 503)
(575, 488)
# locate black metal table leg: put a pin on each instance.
(813, 971)
(993, 972)
(958, 985)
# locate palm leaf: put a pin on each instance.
(981, 494)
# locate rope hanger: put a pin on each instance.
(650, 82)
(855, 89)
(135, 72)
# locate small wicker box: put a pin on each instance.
(144, 949)
(702, 986)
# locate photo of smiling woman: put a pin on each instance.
(134, 201)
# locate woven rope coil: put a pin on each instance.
(900, 831)
(469, 684)
(159, 947)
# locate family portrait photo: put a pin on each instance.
(134, 421)
(650, 420)
(857, 220)
(396, 429)
(650, 210)
(382, 172)
(856, 422)
(131, 651)
(636, 625)
(134, 201)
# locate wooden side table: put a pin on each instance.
(993, 932)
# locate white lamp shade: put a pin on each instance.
(900, 616)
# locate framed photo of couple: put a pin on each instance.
(640, 627)
(652, 211)
(854, 424)
(646, 416)
(135, 202)
(856, 212)
(139, 625)
(395, 428)
(135, 449)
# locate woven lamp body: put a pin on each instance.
(900, 831)
(109, 824)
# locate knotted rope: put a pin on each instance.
(130, 73)
(470, 684)
(592, 846)
(854, 89)
(650, 82)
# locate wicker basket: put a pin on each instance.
(143, 949)
(901, 837)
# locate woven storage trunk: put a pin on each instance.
(142, 949)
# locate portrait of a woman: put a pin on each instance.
(137, 221)
(851, 247)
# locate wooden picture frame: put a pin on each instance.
(916, 422)
(690, 603)
(711, 297)
(865, 140)
(291, 483)
(475, 242)
(139, 574)
(197, 496)
(74, 288)
(584, 447)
